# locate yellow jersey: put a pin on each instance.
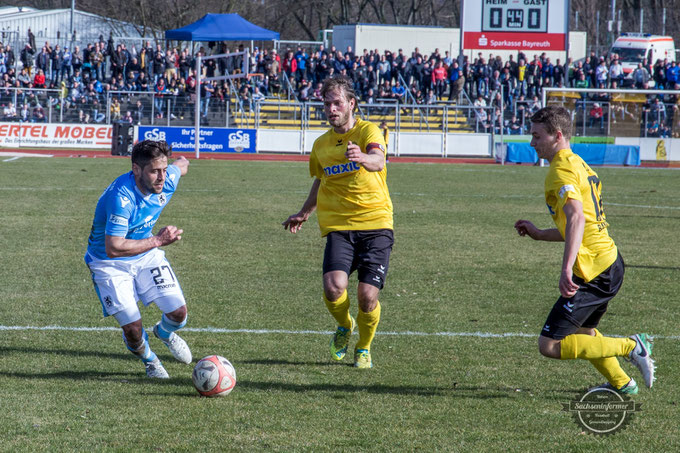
(350, 197)
(570, 177)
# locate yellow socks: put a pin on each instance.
(368, 324)
(340, 310)
(610, 368)
(579, 346)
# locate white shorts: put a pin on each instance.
(121, 283)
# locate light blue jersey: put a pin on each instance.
(122, 210)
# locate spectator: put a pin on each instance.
(398, 92)
(158, 65)
(672, 74)
(659, 74)
(38, 114)
(39, 79)
(596, 115)
(601, 73)
(56, 62)
(258, 96)
(66, 64)
(160, 90)
(9, 112)
(558, 74)
(207, 91)
(26, 58)
(640, 76)
(521, 78)
(582, 81)
(139, 111)
(76, 59)
(495, 82)
(115, 109)
(305, 91)
(128, 118)
(514, 126)
(439, 77)
(616, 73)
(42, 60)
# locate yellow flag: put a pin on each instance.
(660, 150)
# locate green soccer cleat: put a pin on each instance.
(340, 341)
(640, 356)
(362, 359)
(631, 388)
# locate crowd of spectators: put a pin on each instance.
(85, 77)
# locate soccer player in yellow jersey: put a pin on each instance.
(592, 268)
(354, 210)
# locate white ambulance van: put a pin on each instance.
(633, 48)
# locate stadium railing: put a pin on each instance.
(229, 110)
(626, 113)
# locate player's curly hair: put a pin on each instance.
(340, 82)
(554, 119)
(147, 150)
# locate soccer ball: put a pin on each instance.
(214, 376)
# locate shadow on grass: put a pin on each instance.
(133, 376)
(270, 362)
(68, 352)
(642, 266)
(406, 390)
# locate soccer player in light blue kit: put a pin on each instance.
(124, 256)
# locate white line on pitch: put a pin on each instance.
(642, 206)
(11, 159)
(306, 332)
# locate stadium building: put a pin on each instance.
(54, 25)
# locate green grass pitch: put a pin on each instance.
(457, 267)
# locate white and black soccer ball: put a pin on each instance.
(214, 376)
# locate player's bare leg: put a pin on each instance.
(137, 341)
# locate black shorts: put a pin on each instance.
(586, 307)
(366, 251)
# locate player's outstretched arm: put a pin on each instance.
(183, 164)
(526, 228)
(294, 222)
(118, 247)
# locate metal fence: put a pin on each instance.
(89, 106)
(621, 113)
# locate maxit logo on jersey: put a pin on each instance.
(341, 168)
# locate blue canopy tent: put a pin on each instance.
(221, 27)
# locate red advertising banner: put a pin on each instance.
(514, 41)
(55, 135)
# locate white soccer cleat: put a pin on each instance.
(179, 348)
(640, 356)
(156, 370)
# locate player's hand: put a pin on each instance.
(294, 222)
(169, 234)
(567, 286)
(182, 163)
(526, 228)
(354, 153)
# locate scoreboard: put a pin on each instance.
(515, 16)
(515, 24)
